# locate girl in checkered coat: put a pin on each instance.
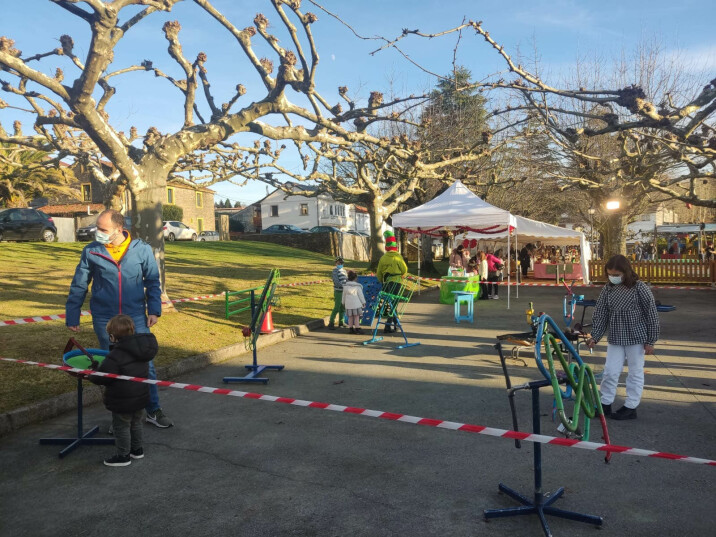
(626, 308)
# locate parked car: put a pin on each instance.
(283, 228)
(209, 236)
(178, 231)
(325, 229)
(26, 225)
(86, 233)
(357, 233)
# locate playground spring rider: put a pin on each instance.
(579, 379)
(252, 332)
(391, 303)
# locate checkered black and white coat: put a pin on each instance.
(629, 314)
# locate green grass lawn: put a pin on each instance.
(35, 279)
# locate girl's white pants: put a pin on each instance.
(616, 356)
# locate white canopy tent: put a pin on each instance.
(458, 208)
(529, 230)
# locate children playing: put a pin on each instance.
(129, 354)
(354, 302)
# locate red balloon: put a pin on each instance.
(473, 243)
(466, 243)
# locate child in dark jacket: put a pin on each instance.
(129, 355)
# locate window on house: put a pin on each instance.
(200, 224)
(330, 210)
(199, 199)
(274, 210)
(86, 192)
(304, 209)
(170, 195)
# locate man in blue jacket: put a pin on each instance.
(125, 280)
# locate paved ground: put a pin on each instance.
(244, 467)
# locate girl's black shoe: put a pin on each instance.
(624, 413)
(352, 330)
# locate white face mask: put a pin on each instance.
(616, 280)
(104, 238)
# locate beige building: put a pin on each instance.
(197, 203)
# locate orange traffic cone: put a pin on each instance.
(267, 325)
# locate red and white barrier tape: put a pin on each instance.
(60, 316)
(441, 424)
(524, 284)
(38, 319)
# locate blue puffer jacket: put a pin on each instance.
(116, 287)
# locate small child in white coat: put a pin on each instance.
(354, 302)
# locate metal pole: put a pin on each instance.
(509, 278)
(537, 447)
(420, 249)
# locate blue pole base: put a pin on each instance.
(74, 443)
(373, 340)
(541, 506)
(256, 370)
(408, 345)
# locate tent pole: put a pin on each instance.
(509, 277)
(517, 269)
(420, 248)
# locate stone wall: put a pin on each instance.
(332, 244)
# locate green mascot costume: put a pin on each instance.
(390, 272)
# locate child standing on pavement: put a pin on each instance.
(354, 302)
(339, 279)
(129, 355)
(627, 310)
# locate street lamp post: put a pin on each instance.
(613, 207)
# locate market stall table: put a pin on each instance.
(448, 284)
(554, 271)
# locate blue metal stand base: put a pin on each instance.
(81, 438)
(541, 506)
(542, 503)
(256, 370)
(380, 338)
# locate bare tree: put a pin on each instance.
(71, 121)
(660, 116)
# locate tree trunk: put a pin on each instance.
(147, 220)
(427, 267)
(614, 235)
(446, 247)
(403, 243)
(377, 218)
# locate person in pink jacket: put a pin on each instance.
(493, 265)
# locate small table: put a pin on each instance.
(467, 298)
(77, 359)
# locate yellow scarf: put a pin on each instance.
(118, 251)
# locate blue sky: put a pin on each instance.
(561, 31)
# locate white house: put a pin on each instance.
(642, 229)
(307, 212)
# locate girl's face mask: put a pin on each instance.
(615, 280)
